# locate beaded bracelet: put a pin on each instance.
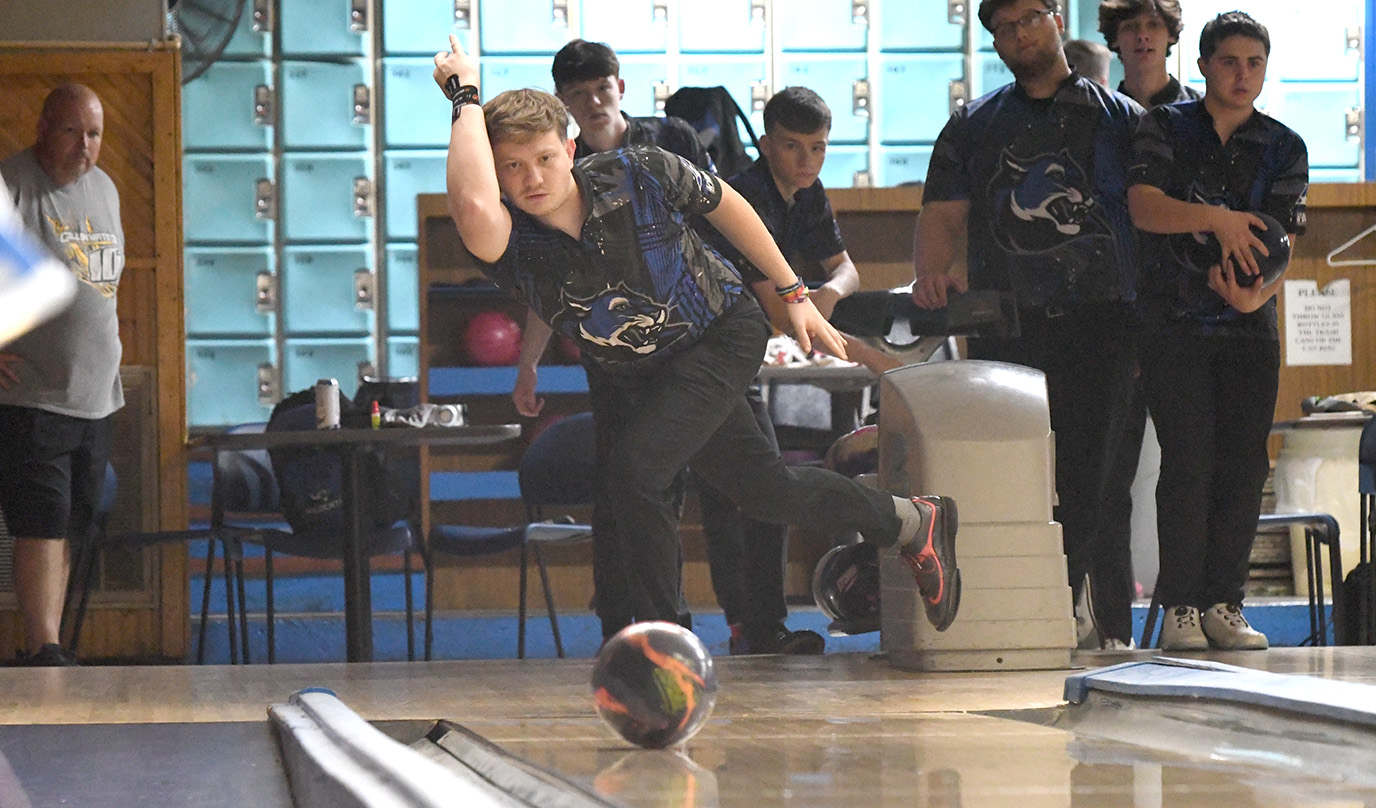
(793, 293)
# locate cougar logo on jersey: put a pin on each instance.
(623, 320)
(1040, 203)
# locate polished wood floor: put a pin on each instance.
(839, 730)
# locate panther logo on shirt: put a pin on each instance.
(1040, 204)
(624, 320)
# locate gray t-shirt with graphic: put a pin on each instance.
(70, 364)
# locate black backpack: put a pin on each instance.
(714, 113)
(311, 478)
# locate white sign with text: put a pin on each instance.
(1318, 323)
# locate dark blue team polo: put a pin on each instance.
(1169, 94)
(1263, 166)
(807, 228)
(640, 285)
(671, 134)
(1046, 180)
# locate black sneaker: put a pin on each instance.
(51, 655)
(775, 639)
(931, 553)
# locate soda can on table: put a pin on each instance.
(327, 404)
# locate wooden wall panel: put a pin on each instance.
(140, 89)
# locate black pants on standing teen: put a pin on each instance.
(1212, 400)
(692, 410)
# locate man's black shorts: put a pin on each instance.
(52, 471)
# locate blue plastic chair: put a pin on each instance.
(556, 471)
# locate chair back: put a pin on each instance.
(246, 483)
(1366, 459)
(560, 465)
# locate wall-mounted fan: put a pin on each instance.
(205, 28)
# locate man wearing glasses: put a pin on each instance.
(1034, 175)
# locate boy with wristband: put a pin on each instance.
(668, 334)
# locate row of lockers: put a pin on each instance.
(233, 381)
(321, 290)
(319, 103)
(421, 27)
(341, 28)
(327, 197)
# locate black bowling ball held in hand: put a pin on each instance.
(1277, 243)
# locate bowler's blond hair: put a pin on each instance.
(522, 115)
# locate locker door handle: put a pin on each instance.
(463, 13)
(264, 105)
(363, 197)
(860, 12)
(262, 16)
(661, 95)
(559, 12)
(363, 105)
(364, 284)
(265, 293)
(659, 11)
(366, 370)
(759, 96)
(860, 98)
(264, 200)
(358, 16)
(956, 11)
(1354, 38)
(959, 94)
(757, 12)
(1352, 118)
(860, 179)
(269, 391)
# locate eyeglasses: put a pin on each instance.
(1008, 30)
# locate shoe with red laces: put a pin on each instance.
(931, 552)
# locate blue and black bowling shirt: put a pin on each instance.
(1047, 184)
(1264, 166)
(806, 229)
(639, 286)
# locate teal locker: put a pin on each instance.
(721, 26)
(405, 174)
(842, 164)
(901, 165)
(1317, 111)
(422, 27)
(403, 357)
(228, 381)
(738, 74)
(1335, 175)
(403, 289)
(1310, 46)
(326, 196)
(642, 72)
(219, 107)
(626, 26)
(229, 291)
(913, 95)
(832, 76)
(414, 110)
(515, 72)
(921, 25)
(227, 198)
(323, 27)
(524, 26)
(344, 360)
(322, 288)
(990, 74)
(246, 42)
(320, 105)
(827, 25)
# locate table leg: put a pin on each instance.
(358, 596)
